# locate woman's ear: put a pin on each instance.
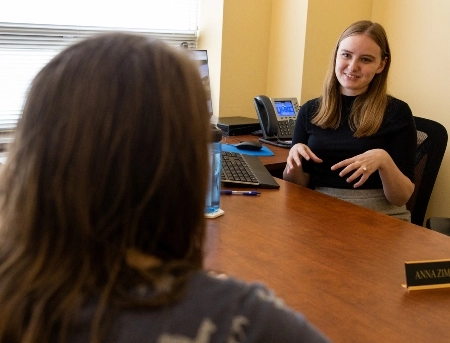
(382, 65)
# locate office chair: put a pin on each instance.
(431, 144)
(439, 224)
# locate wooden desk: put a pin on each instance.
(339, 264)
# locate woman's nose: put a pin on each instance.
(353, 65)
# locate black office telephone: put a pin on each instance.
(277, 117)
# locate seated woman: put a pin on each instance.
(355, 142)
(99, 242)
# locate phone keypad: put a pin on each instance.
(286, 128)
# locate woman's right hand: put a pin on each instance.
(297, 152)
(294, 171)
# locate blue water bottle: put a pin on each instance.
(212, 206)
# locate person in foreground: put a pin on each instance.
(355, 142)
(98, 240)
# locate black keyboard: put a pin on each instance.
(240, 169)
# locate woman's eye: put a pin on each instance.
(346, 55)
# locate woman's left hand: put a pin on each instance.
(362, 165)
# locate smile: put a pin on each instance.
(351, 76)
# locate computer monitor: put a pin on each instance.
(201, 57)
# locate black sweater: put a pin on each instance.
(397, 135)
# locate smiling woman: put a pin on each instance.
(358, 60)
(355, 142)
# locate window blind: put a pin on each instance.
(25, 47)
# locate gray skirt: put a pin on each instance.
(370, 198)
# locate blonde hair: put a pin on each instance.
(368, 108)
(93, 202)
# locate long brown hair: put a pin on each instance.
(368, 109)
(104, 186)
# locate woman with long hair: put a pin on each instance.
(98, 242)
(355, 141)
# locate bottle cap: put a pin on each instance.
(216, 134)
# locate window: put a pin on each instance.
(32, 32)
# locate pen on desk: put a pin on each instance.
(228, 192)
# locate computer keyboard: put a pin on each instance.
(241, 169)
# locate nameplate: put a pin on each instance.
(427, 274)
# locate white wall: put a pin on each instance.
(286, 54)
(419, 35)
(237, 37)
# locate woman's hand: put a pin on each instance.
(362, 165)
(296, 153)
(396, 186)
(293, 171)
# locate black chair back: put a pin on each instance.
(431, 144)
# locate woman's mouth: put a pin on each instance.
(353, 77)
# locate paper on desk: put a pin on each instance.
(265, 151)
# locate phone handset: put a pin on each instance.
(277, 116)
(267, 117)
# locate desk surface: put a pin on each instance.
(339, 264)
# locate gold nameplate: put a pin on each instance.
(427, 274)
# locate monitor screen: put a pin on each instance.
(285, 108)
(201, 56)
